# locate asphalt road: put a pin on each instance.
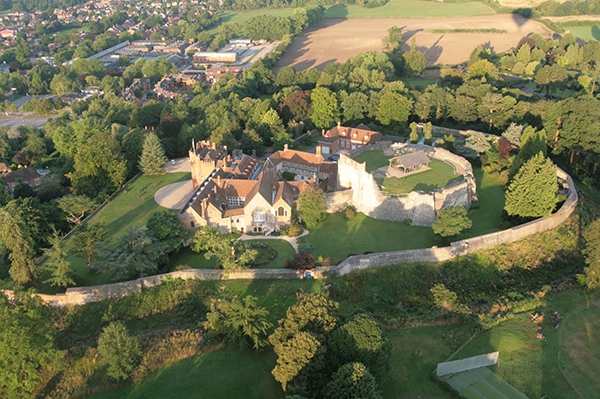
(16, 121)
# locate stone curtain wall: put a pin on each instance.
(418, 206)
(80, 296)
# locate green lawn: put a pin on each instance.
(410, 9)
(532, 365)
(187, 257)
(374, 159)
(579, 340)
(134, 204)
(409, 374)
(336, 237)
(223, 374)
(491, 203)
(439, 175)
(585, 32)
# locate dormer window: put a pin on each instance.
(355, 135)
(343, 132)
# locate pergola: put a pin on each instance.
(410, 162)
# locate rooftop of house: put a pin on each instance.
(24, 173)
(362, 133)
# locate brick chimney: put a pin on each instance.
(253, 153)
(322, 132)
(339, 124)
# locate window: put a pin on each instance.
(192, 224)
(281, 211)
(259, 216)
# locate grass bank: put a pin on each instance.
(133, 204)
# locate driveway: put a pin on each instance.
(179, 165)
(175, 195)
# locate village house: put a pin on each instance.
(305, 166)
(26, 175)
(4, 168)
(214, 74)
(343, 139)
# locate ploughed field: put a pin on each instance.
(337, 40)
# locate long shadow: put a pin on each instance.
(596, 32)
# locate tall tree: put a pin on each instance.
(120, 351)
(533, 191)
(57, 262)
(393, 108)
(17, 239)
(86, 238)
(232, 253)
(136, 254)
(166, 228)
(311, 206)
(153, 159)
(26, 345)
(352, 380)
(325, 108)
(76, 207)
(415, 60)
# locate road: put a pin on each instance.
(16, 121)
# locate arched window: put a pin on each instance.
(281, 211)
(259, 216)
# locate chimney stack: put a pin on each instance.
(253, 153)
(318, 149)
(322, 132)
(339, 124)
(285, 147)
(219, 180)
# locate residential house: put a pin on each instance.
(4, 168)
(343, 139)
(215, 73)
(305, 166)
(27, 175)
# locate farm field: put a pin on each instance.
(585, 32)
(410, 9)
(337, 40)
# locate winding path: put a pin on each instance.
(292, 240)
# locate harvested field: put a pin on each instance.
(336, 40)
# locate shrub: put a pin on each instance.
(306, 247)
(292, 230)
(301, 261)
(350, 212)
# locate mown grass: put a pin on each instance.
(410, 9)
(223, 374)
(531, 365)
(439, 175)
(336, 237)
(579, 342)
(486, 217)
(241, 16)
(132, 205)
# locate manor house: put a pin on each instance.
(241, 191)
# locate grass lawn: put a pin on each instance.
(187, 257)
(585, 32)
(223, 374)
(579, 340)
(284, 249)
(491, 203)
(374, 159)
(420, 82)
(439, 175)
(125, 209)
(410, 9)
(533, 366)
(409, 374)
(336, 237)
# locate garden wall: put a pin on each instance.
(80, 296)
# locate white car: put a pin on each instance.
(172, 162)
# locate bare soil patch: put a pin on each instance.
(337, 40)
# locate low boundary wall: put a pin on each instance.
(82, 295)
